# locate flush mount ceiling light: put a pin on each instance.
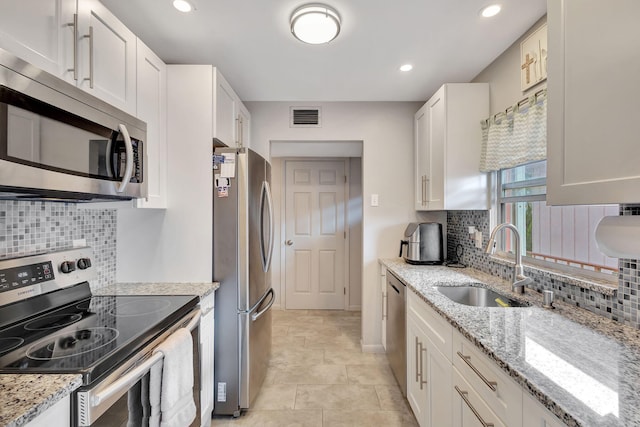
(315, 23)
(183, 5)
(406, 67)
(491, 10)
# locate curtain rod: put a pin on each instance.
(516, 106)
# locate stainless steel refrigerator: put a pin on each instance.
(242, 248)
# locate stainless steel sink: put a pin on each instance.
(478, 296)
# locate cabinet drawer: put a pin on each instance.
(469, 409)
(501, 393)
(435, 327)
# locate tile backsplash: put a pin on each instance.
(31, 227)
(621, 305)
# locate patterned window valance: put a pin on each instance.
(516, 136)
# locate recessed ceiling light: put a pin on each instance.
(406, 67)
(315, 24)
(183, 5)
(491, 10)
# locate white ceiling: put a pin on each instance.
(250, 41)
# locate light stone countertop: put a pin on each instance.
(582, 367)
(25, 396)
(199, 289)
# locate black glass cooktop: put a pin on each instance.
(89, 336)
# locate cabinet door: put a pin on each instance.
(39, 32)
(206, 363)
(243, 135)
(436, 150)
(224, 111)
(421, 149)
(417, 391)
(151, 107)
(439, 380)
(107, 56)
(535, 415)
(593, 108)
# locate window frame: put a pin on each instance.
(500, 208)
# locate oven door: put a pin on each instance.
(118, 399)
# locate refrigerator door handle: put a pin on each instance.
(267, 250)
(256, 316)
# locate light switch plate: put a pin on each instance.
(478, 239)
(374, 200)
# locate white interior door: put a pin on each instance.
(315, 234)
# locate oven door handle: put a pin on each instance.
(133, 376)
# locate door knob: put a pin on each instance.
(289, 242)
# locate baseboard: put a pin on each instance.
(372, 348)
(354, 308)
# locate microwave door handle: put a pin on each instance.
(128, 170)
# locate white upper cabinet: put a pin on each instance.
(231, 119)
(106, 56)
(40, 32)
(593, 107)
(447, 149)
(151, 97)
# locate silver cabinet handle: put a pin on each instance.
(424, 190)
(417, 356)
(128, 170)
(467, 359)
(289, 242)
(422, 381)
(384, 306)
(74, 24)
(90, 37)
(463, 394)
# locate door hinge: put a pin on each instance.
(344, 291)
(345, 179)
(345, 234)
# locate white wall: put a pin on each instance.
(175, 245)
(386, 129)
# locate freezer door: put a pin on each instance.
(256, 348)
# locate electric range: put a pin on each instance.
(50, 322)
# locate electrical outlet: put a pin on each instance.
(478, 239)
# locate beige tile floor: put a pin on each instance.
(319, 377)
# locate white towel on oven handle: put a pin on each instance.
(171, 383)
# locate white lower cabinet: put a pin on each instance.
(58, 415)
(428, 369)
(469, 409)
(536, 415)
(206, 359)
(490, 383)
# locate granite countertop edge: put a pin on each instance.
(26, 396)
(200, 289)
(469, 275)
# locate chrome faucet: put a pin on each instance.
(519, 279)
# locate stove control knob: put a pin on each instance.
(84, 263)
(67, 267)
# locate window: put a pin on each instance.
(562, 235)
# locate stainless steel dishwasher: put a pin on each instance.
(396, 330)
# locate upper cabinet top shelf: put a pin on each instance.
(593, 108)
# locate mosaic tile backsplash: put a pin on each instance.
(621, 306)
(32, 227)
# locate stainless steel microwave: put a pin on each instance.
(59, 142)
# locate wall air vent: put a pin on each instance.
(304, 117)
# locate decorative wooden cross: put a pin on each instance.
(527, 66)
